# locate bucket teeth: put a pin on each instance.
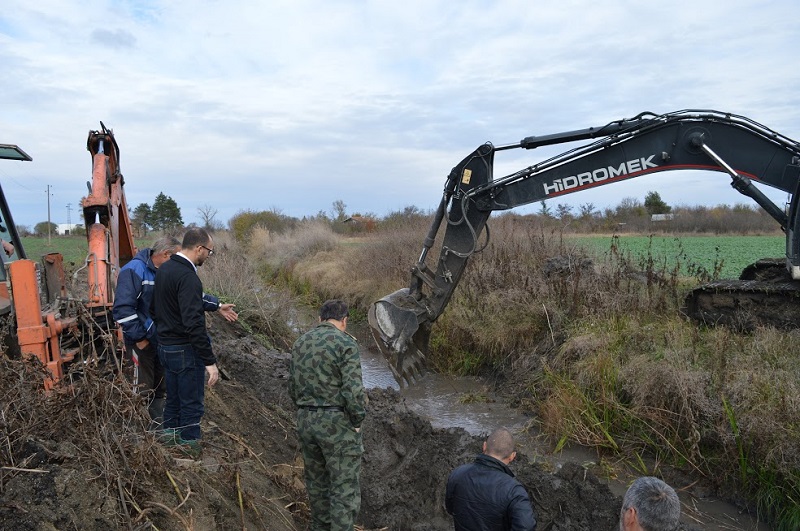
(411, 365)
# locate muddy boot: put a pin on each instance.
(156, 411)
(193, 449)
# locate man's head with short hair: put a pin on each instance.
(163, 248)
(500, 445)
(650, 505)
(333, 309)
(197, 245)
(194, 237)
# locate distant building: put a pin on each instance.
(363, 222)
(662, 217)
(65, 229)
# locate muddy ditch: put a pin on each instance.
(407, 461)
(114, 476)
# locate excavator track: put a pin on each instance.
(764, 296)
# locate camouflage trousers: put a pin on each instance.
(332, 464)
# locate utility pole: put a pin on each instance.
(48, 215)
(69, 218)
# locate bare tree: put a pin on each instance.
(207, 214)
(563, 211)
(587, 210)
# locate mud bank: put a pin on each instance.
(407, 461)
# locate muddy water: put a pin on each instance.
(468, 403)
(445, 401)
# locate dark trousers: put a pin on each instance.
(150, 378)
(184, 374)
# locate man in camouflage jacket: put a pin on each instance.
(325, 385)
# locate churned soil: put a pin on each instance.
(114, 475)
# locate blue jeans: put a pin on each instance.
(184, 374)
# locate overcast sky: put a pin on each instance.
(292, 105)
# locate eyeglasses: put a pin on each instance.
(210, 251)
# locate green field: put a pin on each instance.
(730, 254)
(74, 248)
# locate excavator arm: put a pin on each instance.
(108, 228)
(624, 149)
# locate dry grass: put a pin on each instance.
(360, 269)
(602, 354)
(233, 275)
(283, 251)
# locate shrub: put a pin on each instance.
(281, 251)
(230, 275)
(243, 223)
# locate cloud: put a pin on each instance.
(295, 104)
(113, 39)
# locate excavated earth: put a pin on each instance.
(250, 474)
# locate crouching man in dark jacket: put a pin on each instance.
(484, 496)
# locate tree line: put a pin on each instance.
(652, 214)
(164, 215)
(655, 215)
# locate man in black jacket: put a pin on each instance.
(485, 496)
(184, 347)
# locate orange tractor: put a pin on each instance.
(43, 320)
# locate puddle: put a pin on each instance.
(444, 401)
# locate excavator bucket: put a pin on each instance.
(401, 330)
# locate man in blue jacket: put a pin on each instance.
(131, 310)
(485, 496)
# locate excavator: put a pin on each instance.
(41, 319)
(768, 292)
